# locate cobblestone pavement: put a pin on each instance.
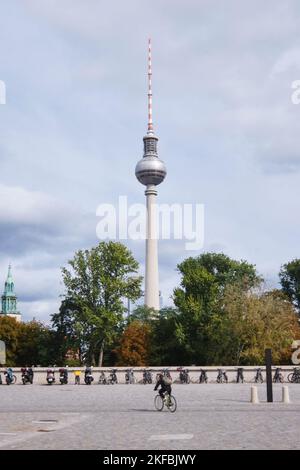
(209, 416)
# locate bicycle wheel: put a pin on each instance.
(14, 379)
(172, 405)
(158, 403)
(291, 378)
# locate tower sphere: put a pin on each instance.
(150, 170)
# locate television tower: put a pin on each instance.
(151, 171)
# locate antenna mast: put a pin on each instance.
(150, 123)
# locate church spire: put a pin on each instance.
(9, 298)
(9, 284)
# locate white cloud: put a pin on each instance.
(18, 205)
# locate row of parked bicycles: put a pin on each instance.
(148, 377)
(293, 377)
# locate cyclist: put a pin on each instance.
(165, 386)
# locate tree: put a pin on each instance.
(143, 313)
(134, 344)
(203, 283)
(37, 344)
(68, 330)
(9, 333)
(249, 322)
(290, 281)
(97, 283)
(165, 348)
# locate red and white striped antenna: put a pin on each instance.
(150, 122)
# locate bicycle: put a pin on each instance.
(169, 401)
(102, 379)
(112, 379)
(147, 377)
(258, 376)
(184, 376)
(203, 377)
(278, 376)
(222, 377)
(130, 377)
(294, 377)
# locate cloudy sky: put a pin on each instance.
(71, 130)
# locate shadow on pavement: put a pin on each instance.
(144, 409)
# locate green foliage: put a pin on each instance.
(221, 316)
(28, 343)
(96, 285)
(290, 281)
(9, 333)
(203, 283)
(165, 348)
(68, 331)
(249, 322)
(35, 345)
(142, 313)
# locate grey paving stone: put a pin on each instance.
(217, 416)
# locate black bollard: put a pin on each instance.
(268, 358)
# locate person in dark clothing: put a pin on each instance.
(164, 386)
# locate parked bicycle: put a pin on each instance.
(222, 377)
(129, 377)
(258, 376)
(113, 379)
(240, 375)
(168, 400)
(278, 376)
(203, 377)
(102, 379)
(147, 377)
(184, 376)
(294, 377)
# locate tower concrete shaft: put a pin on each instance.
(151, 271)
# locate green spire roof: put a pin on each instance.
(9, 299)
(9, 284)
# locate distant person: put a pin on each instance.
(77, 376)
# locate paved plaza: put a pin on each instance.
(209, 416)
